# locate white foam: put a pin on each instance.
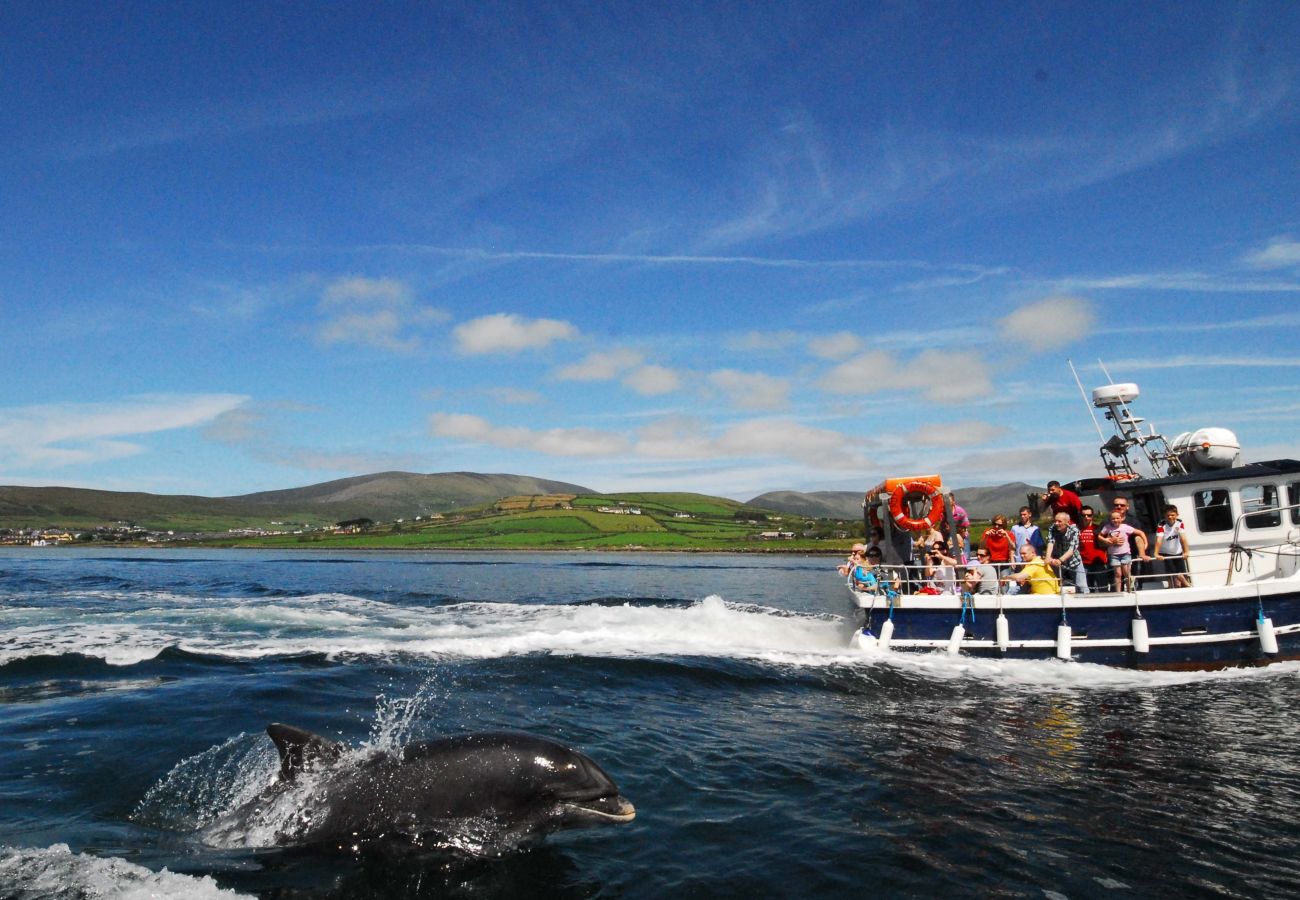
(139, 626)
(57, 872)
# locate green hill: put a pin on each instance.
(384, 496)
(586, 521)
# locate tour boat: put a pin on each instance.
(1242, 525)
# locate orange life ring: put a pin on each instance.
(873, 513)
(927, 490)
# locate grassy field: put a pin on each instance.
(669, 521)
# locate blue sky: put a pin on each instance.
(722, 248)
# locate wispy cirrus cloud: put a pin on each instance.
(66, 434)
(1198, 362)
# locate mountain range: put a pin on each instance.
(384, 496)
(980, 503)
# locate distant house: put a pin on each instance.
(776, 535)
(620, 510)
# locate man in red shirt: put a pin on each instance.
(1061, 500)
(1092, 555)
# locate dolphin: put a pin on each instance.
(500, 784)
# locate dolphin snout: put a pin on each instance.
(615, 808)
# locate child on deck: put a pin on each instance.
(1171, 548)
(1115, 535)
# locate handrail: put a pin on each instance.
(1235, 549)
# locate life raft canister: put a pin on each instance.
(918, 488)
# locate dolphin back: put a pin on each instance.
(299, 749)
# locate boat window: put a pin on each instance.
(1293, 500)
(1212, 510)
(1261, 497)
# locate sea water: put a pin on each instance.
(763, 756)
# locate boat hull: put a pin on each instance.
(1186, 628)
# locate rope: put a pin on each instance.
(966, 597)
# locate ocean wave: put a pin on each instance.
(55, 873)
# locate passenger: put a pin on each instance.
(940, 569)
(961, 545)
(1063, 552)
(997, 541)
(1171, 548)
(1139, 536)
(886, 576)
(988, 574)
(1035, 574)
(1026, 532)
(877, 539)
(1059, 499)
(1094, 555)
(970, 581)
(1115, 535)
(959, 516)
(855, 556)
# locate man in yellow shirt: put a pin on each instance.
(1035, 573)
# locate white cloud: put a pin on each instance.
(1196, 362)
(652, 381)
(604, 365)
(668, 439)
(515, 396)
(374, 312)
(757, 341)
(954, 434)
(791, 440)
(69, 433)
(509, 333)
(752, 390)
(840, 345)
(552, 441)
(1281, 253)
(1049, 323)
(941, 376)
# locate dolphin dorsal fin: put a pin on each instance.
(299, 748)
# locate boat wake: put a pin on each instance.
(56, 873)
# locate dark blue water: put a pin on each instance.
(764, 757)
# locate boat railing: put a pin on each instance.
(1241, 556)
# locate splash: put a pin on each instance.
(55, 873)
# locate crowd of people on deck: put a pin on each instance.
(1079, 550)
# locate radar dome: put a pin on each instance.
(1114, 394)
(1207, 448)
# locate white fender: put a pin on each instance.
(1267, 638)
(886, 633)
(1141, 637)
(863, 641)
(1003, 632)
(954, 642)
(1063, 641)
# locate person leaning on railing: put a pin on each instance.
(1092, 553)
(1034, 573)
